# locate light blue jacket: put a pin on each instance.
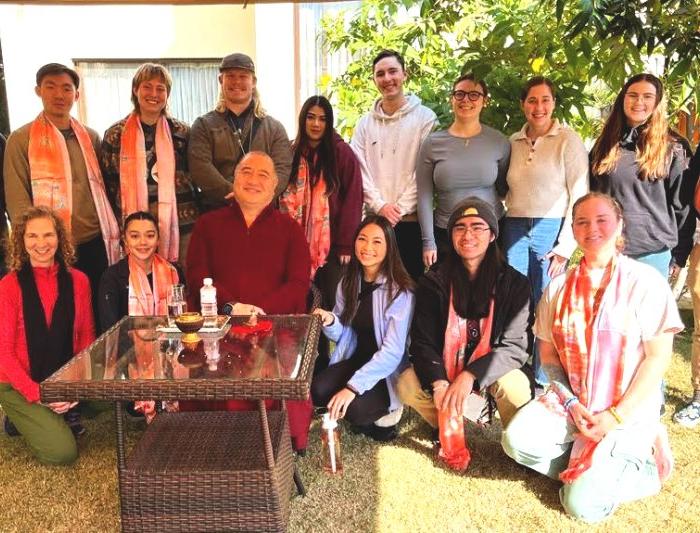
(391, 326)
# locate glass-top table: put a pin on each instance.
(135, 359)
(200, 471)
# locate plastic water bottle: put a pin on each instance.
(330, 445)
(207, 298)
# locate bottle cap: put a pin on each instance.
(208, 281)
(328, 422)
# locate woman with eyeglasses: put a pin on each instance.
(639, 161)
(548, 172)
(467, 159)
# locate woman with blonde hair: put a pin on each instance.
(605, 334)
(640, 161)
(144, 162)
(46, 314)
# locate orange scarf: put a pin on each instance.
(142, 300)
(309, 206)
(133, 172)
(578, 344)
(52, 180)
(453, 445)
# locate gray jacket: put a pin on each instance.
(214, 151)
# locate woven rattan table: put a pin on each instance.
(199, 471)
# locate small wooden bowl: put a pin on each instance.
(189, 322)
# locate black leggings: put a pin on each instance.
(365, 408)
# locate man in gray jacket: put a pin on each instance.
(238, 125)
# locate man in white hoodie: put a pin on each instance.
(386, 141)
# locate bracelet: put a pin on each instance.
(569, 403)
(615, 414)
(440, 386)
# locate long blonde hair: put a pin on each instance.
(653, 150)
(17, 255)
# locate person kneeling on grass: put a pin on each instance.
(469, 335)
(46, 318)
(369, 325)
(605, 331)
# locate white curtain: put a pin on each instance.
(106, 90)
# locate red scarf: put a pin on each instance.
(453, 444)
(310, 208)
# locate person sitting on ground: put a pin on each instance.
(46, 314)
(139, 283)
(259, 261)
(469, 334)
(605, 331)
(369, 325)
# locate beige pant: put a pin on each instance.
(693, 283)
(511, 392)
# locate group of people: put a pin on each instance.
(435, 253)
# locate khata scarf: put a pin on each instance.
(309, 206)
(133, 172)
(453, 445)
(142, 300)
(52, 180)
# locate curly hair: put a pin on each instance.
(17, 255)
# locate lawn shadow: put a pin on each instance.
(488, 460)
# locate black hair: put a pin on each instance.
(392, 268)
(472, 78)
(53, 69)
(140, 215)
(472, 297)
(325, 161)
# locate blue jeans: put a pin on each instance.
(659, 260)
(527, 241)
(622, 469)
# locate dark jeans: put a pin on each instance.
(92, 261)
(408, 238)
(327, 279)
(365, 408)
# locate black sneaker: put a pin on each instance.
(10, 429)
(73, 418)
(380, 434)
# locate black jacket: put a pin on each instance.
(113, 298)
(509, 334)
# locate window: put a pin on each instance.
(106, 89)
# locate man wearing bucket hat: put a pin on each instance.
(238, 125)
(469, 335)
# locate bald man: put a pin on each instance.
(258, 259)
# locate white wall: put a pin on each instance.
(36, 35)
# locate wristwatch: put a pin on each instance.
(227, 309)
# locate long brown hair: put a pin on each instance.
(17, 255)
(397, 279)
(653, 145)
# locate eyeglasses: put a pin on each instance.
(472, 95)
(477, 231)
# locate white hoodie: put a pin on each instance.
(387, 147)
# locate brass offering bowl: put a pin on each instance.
(190, 324)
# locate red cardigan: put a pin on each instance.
(266, 264)
(14, 358)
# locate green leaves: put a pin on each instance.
(587, 47)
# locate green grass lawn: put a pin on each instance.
(396, 487)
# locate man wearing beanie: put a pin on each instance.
(238, 125)
(469, 335)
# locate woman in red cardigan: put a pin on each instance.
(46, 318)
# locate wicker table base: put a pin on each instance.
(208, 471)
